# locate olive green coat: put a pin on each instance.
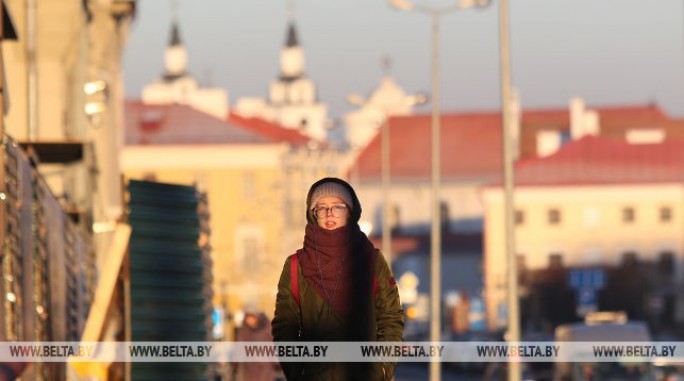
(318, 324)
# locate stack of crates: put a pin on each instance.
(170, 274)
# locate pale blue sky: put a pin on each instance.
(610, 52)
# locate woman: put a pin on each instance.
(344, 289)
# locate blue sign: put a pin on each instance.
(586, 301)
(476, 314)
(588, 278)
(218, 319)
(586, 297)
(586, 282)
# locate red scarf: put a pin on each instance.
(329, 259)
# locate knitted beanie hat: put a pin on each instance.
(331, 189)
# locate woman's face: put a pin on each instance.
(331, 213)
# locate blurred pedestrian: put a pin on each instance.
(255, 327)
(10, 371)
(340, 288)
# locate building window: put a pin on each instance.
(628, 215)
(248, 185)
(665, 214)
(395, 218)
(444, 215)
(519, 217)
(592, 217)
(250, 259)
(555, 261)
(248, 246)
(666, 263)
(554, 216)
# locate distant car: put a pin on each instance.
(668, 371)
(604, 327)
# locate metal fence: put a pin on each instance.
(47, 263)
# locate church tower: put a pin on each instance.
(176, 85)
(293, 95)
(175, 57)
(292, 56)
(292, 100)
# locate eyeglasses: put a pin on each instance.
(337, 210)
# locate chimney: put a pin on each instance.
(582, 121)
(548, 142)
(591, 123)
(645, 135)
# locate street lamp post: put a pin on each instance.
(513, 334)
(436, 239)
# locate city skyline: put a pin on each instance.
(609, 53)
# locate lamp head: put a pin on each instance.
(474, 3)
(403, 5)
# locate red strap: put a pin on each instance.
(294, 262)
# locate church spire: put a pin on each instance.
(175, 35)
(176, 60)
(292, 54)
(291, 40)
(175, 39)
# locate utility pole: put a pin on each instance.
(513, 333)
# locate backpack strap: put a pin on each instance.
(294, 281)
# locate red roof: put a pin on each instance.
(614, 121)
(471, 142)
(176, 124)
(595, 160)
(470, 147)
(270, 130)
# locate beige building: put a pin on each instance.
(255, 174)
(65, 93)
(240, 172)
(595, 202)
